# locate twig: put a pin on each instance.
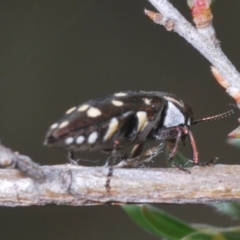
(203, 39)
(75, 185)
(10, 159)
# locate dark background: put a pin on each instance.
(57, 54)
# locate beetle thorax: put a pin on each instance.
(173, 116)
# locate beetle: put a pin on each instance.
(126, 118)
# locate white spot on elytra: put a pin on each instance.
(80, 139)
(70, 110)
(83, 108)
(92, 138)
(117, 103)
(63, 124)
(112, 128)
(69, 140)
(55, 125)
(147, 101)
(142, 118)
(173, 117)
(93, 112)
(120, 94)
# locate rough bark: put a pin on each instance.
(75, 185)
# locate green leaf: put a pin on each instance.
(158, 222)
(135, 212)
(231, 209)
(163, 225)
(232, 233)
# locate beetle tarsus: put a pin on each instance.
(111, 161)
(207, 164)
(179, 167)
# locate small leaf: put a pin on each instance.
(135, 212)
(158, 222)
(164, 225)
(231, 209)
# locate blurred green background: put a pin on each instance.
(57, 54)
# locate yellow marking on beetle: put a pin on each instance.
(92, 138)
(63, 124)
(70, 110)
(112, 128)
(53, 126)
(120, 94)
(142, 118)
(147, 101)
(83, 108)
(93, 112)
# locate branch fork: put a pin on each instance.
(202, 37)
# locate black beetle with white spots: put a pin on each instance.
(126, 118)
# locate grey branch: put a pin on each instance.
(75, 185)
(10, 159)
(203, 40)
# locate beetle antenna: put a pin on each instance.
(216, 117)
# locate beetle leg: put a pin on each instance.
(137, 150)
(133, 159)
(111, 161)
(110, 154)
(194, 148)
(152, 152)
(135, 155)
(70, 157)
(195, 153)
(181, 132)
(179, 167)
(209, 163)
(142, 158)
(175, 146)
